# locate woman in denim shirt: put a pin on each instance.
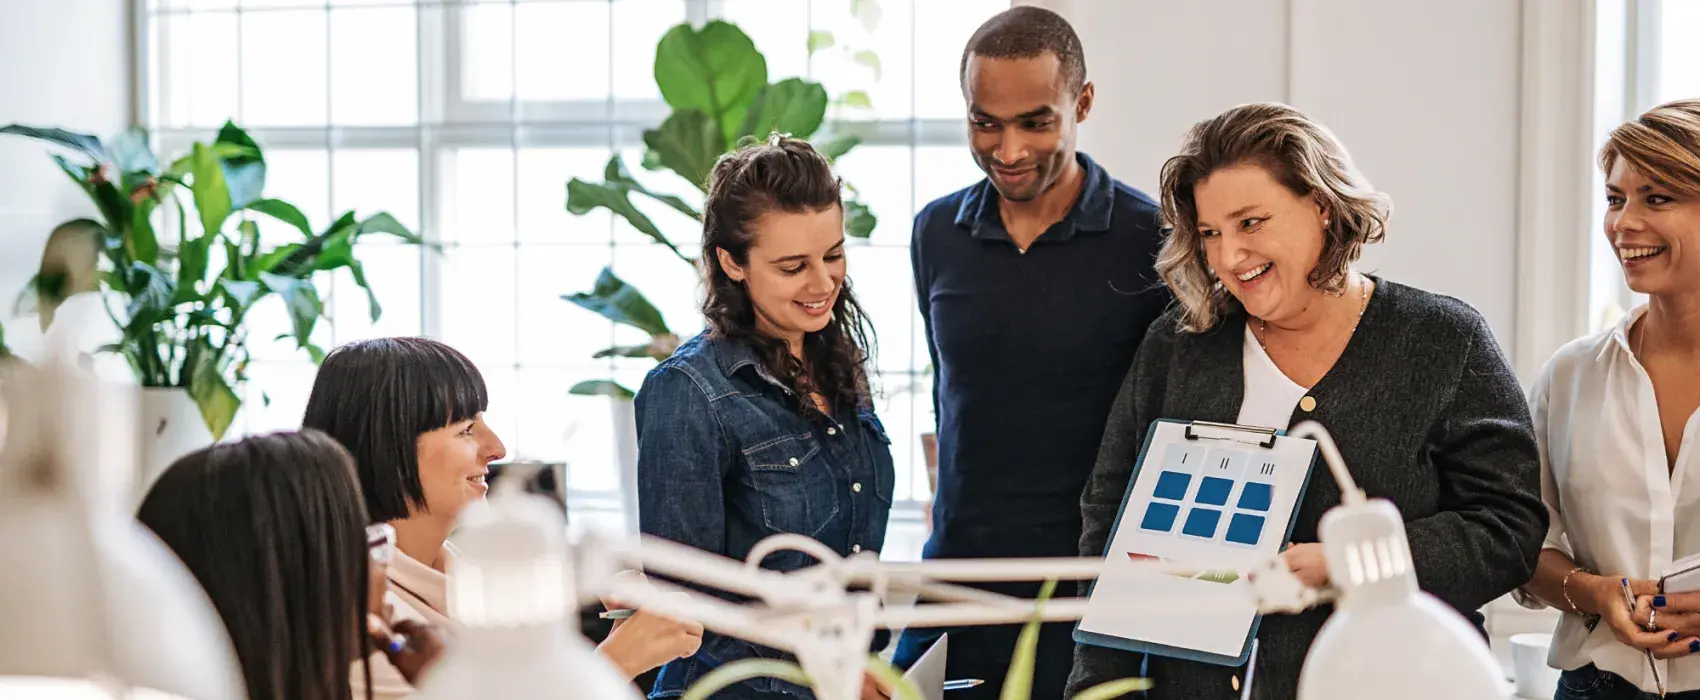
(764, 424)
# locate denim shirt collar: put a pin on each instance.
(1091, 212)
(734, 356)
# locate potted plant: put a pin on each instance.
(179, 289)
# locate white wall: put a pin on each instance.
(66, 64)
(1439, 129)
(1436, 128)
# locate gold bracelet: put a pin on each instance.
(1564, 587)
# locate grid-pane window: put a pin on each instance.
(465, 119)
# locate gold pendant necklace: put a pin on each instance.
(1363, 304)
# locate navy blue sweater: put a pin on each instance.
(1028, 350)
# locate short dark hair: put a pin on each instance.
(788, 175)
(377, 397)
(1029, 32)
(274, 530)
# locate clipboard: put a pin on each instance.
(1219, 498)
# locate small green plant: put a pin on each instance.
(182, 301)
(716, 83)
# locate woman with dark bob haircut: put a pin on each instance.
(274, 529)
(764, 423)
(411, 411)
(1275, 324)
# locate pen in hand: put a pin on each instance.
(1629, 599)
(962, 684)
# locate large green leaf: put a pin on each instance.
(584, 196)
(614, 194)
(688, 144)
(85, 143)
(212, 195)
(601, 387)
(244, 165)
(715, 70)
(615, 172)
(1018, 683)
(144, 244)
(212, 394)
(4, 351)
(285, 212)
(301, 299)
(383, 222)
(792, 106)
(859, 220)
(621, 303)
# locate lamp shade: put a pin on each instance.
(512, 599)
(92, 604)
(1387, 639)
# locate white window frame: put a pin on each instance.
(446, 121)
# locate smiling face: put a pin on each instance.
(794, 272)
(1655, 231)
(1261, 239)
(1022, 121)
(453, 463)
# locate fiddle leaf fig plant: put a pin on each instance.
(716, 83)
(181, 298)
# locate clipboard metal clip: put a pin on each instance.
(1265, 436)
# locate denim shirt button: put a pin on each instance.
(831, 431)
(793, 461)
(855, 548)
(856, 487)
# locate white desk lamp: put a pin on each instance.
(1386, 639)
(91, 604)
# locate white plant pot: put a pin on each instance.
(171, 426)
(624, 414)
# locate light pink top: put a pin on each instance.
(417, 591)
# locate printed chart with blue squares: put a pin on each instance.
(1209, 494)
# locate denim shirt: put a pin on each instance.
(725, 460)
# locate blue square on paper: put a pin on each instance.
(1160, 517)
(1245, 529)
(1214, 491)
(1201, 522)
(1172, 485)
(1256, 496)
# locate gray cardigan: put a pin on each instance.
(1426, 412)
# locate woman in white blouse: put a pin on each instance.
(1616, 417)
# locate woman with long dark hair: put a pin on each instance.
(274, 529)
(764, 423)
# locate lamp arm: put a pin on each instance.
(685, 563)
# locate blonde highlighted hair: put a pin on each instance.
(1305, 158)
(1662, 144)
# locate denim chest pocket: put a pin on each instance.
(879, 455)
(793, 485)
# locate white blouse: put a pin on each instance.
(1614, 507)
(1270, 396)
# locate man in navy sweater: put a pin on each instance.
(1036, 286)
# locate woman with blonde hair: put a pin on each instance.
(1274, 325)
(1616, 417)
